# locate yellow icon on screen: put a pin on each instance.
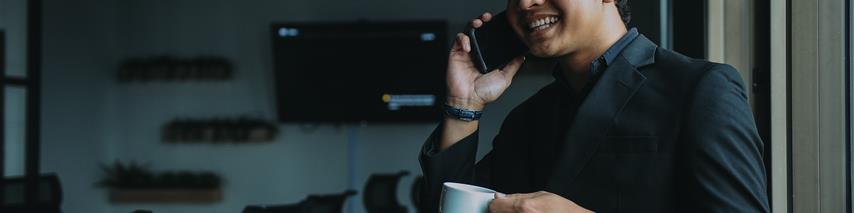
(386, 98)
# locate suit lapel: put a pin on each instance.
(596, 115)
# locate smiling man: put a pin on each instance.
(625, 127)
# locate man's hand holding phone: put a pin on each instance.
(468, 88)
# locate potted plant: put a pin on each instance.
(137, 183)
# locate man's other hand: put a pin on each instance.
(537, 202)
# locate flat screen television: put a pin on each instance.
(360, 71)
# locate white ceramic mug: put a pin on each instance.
(464, 198)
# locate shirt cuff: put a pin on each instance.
(431, 147)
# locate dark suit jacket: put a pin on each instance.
(658, 132)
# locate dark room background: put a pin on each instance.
(89, 118)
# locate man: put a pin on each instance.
(625, 127)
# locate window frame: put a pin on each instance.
(849, 26)
(31, 83)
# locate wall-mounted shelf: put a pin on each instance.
(241, 130)
(136, 183)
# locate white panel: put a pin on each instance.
(804, 100)
(818, 106)
(831, 60)
(716, 31)
(779, 133)
(738, 49)
(15, 126)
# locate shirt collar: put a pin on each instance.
(617, 48)
(607, 58)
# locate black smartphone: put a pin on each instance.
(494, 44)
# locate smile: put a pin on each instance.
(542, 23)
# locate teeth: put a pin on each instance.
(543, 23)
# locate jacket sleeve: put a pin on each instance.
(722, 163)
(454, 164)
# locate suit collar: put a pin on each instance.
(597, 113)
(640, 52)
(635, 48)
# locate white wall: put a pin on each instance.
(89, 118)
(78, 47)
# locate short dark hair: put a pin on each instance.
(625, 13)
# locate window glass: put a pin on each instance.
(15, 126)
(13, 22)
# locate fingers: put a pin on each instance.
(533, 202)
(511, 68)
(476, 23)
(485, 17)
(502, 196)
(501, 204)
(462, 43)
(519, 196)
(508, 203)
(464, 40)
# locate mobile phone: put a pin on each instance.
(494, 44)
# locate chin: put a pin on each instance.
(544, 52)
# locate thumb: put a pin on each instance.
(511, 68)
(461, 43)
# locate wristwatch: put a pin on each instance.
(462, 114)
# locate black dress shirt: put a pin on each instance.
(568, 105)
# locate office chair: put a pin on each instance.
(288, 208)
(327, 203)
(333, 203)
(381, 193)
(415, 193)
(49, 195)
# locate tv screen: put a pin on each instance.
(360, 71)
